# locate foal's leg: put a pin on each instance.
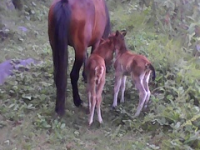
(89, 97)
(142, 93)
(99, 98)
(74, 75)
(123, 86)
(146, 86)
(93, 100)
(84, 63)
(117, 85)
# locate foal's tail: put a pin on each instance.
(153, 70)
(59, 23)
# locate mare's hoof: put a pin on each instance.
(78, 102)
(60, 112)
(84, 78)
(56, 117)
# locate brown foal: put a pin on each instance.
(96, 72)
(139, 68)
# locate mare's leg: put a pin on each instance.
(146, 86)
(116, 88)
(84, 63)
(74, 75)
(123, 85)
(99, 98)
(142, 93)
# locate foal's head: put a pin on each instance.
(108, 46)
(117, 39)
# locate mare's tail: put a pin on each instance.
(59, 22)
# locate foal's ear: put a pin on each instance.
(123, 32)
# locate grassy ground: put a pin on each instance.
(27, 100)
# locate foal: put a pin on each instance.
(139, 68)
(96, 72)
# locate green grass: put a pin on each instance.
(27, 99)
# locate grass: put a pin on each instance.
(27, 99)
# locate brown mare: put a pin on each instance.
(80, 24)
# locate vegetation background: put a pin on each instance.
(166, 31)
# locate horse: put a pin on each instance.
(79, 24)
(138, 67)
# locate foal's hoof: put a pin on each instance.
(101, 124)
(113, 107)
(90, 123)
(87, 111)
(146, 108)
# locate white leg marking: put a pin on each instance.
(99, 111)
(123, 86)
(116, 89)
(99, 98)
(146, 86)
(89, 102)
(92, 110)
(142, 94)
